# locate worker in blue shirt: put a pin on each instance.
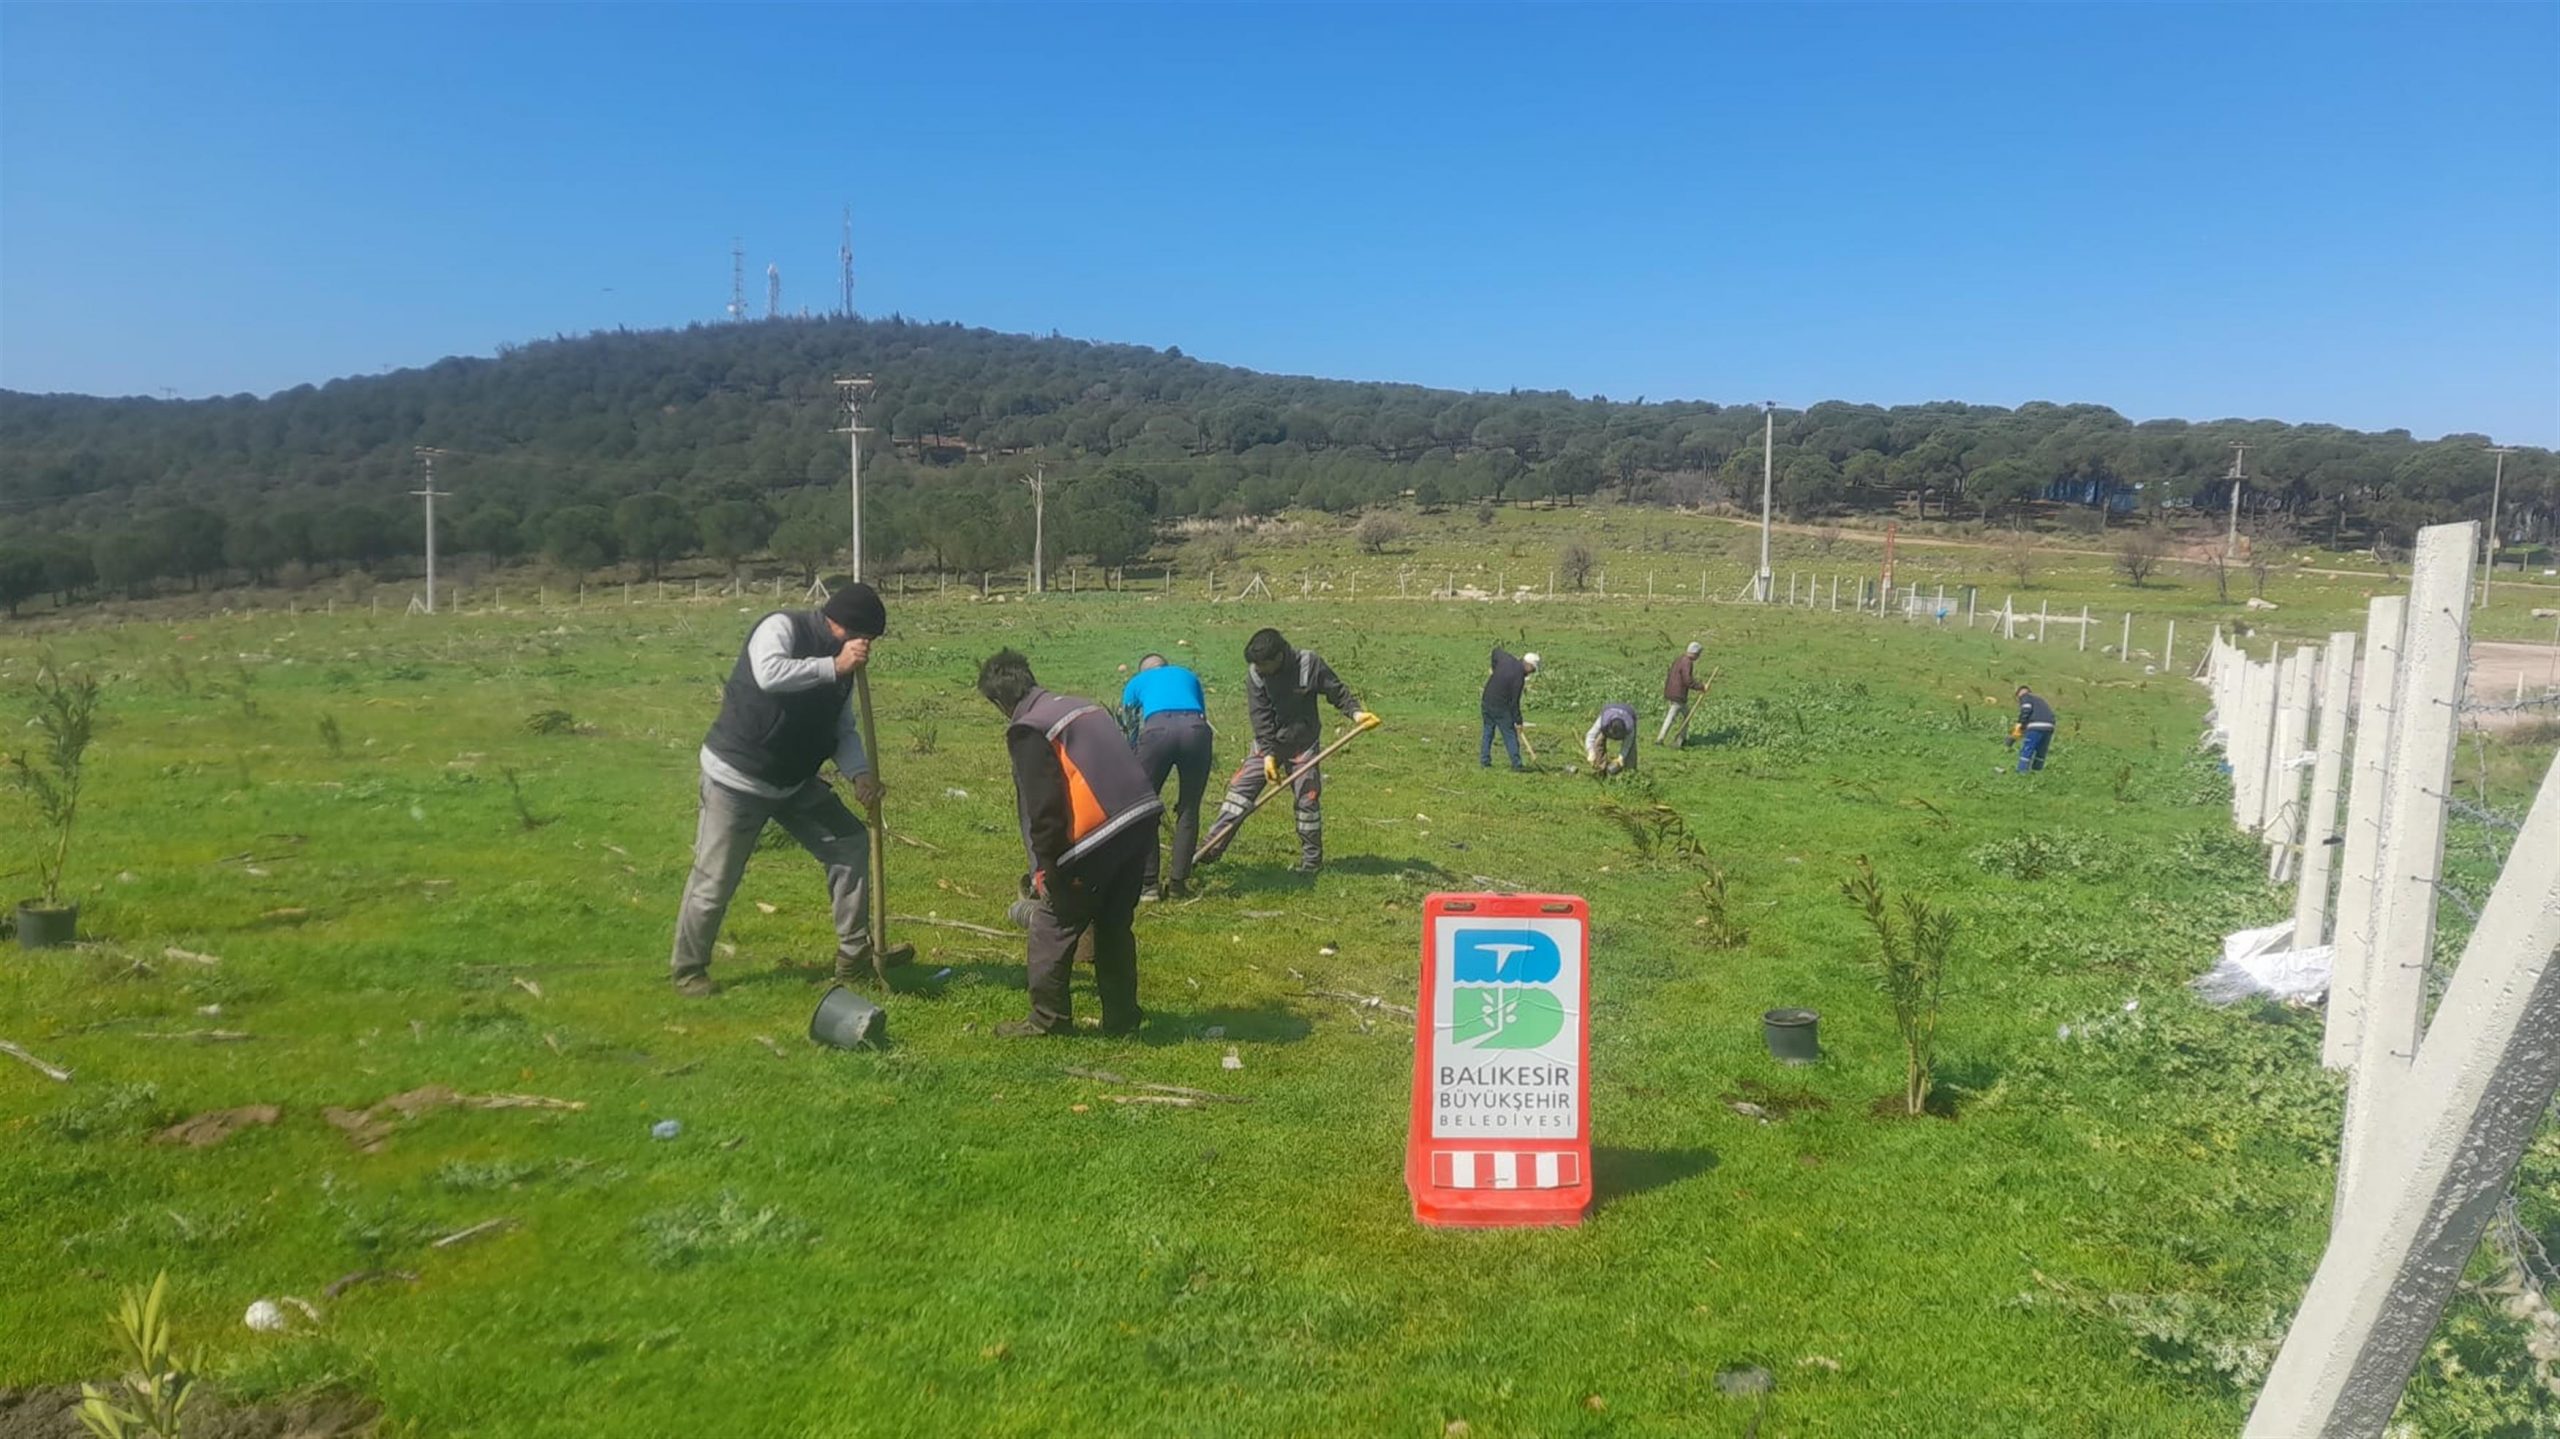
(2033, 733)
(1168, 721)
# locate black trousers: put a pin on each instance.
(1170, 744)
(1099, 894)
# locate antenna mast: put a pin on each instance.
(737, 280)
(773, 292)
(844, 263)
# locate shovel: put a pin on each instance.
(1219, 835)
(1691, 711)
(882, 956)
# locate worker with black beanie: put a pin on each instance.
(783, 714)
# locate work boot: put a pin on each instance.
(1150, 895)
(1028, 1029)
(696, 986)
(1179, 889)
(1120, 1028)
(1307, 867)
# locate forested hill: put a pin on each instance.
(724, 439)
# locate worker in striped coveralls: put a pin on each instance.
(1281, 686)
(2033, 733)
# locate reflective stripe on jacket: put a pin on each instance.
(1075, 782)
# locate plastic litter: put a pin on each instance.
(666, 1129)
(2256, 962)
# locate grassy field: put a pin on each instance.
(407, 886)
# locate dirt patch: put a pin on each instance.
(368, 1128)
(1941, 1104)
(216, 1125)
(2497, 667)
(53, 1412)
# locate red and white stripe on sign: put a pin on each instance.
(1505, 1169)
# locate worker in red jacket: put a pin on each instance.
(1088, 820)
(1679, 687)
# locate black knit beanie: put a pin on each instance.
(857, 607)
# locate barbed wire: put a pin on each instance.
(2502, 707)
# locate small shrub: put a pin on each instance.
(115, 1109)
(524, 812)
(1376, 531)
(2139, 553)
(332, 737)
(928, 737)
(2038, 854)
(1484, 515)
(1575, 562)
(551, 721)
(688, 1233)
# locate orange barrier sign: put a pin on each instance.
(1501, 1130)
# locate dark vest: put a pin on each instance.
(1107, 790)
(783, 738)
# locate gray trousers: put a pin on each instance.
(726, 834)
(1309, 794)
(1170, 744)
(1099, 893)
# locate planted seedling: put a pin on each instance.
(49, 774)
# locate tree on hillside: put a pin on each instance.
(1108, 514)
(493, 530)
(733, 529)
(1575, 562)
(21, 577)
(652, 528)
(191, 539)
(1376, 531)
(355, 534)
(129, 560)
(579, 538)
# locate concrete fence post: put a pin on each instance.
(2442, 1150)
(2283, 822)
(2320, 821)
(2083, 646)
(2424, 724)
(1835, 594)
(2124, 646)
(2169, 649)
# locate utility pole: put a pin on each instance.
(2489, 541)
(1764, 584)
(2231, 536)
(855, 388)
(430, 494)
(1038, 480)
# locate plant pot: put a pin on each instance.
(40, 928)
(1793, 1035)
(845, 1020)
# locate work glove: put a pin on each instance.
(1271, 768)
(1365, 720)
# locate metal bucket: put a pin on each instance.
(1793, 1035)
(846, 1020)
(47, 928)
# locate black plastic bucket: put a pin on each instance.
(47, 928)
(845, 1020)
(1793, 1035)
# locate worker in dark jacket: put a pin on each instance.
(1678, 688)
(1088, 820)
(1616, 722)
(1501, 704)
(2033, 733)
(1168, 723)
(1281, 686)
(782, 716)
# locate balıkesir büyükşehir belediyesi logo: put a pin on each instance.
(1500, 996)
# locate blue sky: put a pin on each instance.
(2303, 212)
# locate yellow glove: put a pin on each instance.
(1271, 768)
(1365, 720)
(2017, 731)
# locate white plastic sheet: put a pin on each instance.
(2256, 962)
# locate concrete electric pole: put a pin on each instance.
(2489, 541)
(2231, 536)
(430, 494)
(1038, 480)
(855, 389)
(1764, 584)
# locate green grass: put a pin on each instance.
(957, 1237)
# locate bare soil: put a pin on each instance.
(53, 1412)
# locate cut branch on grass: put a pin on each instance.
(54, 1072)
(1362, 1001)
(959, 924)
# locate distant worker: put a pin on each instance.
(1679, 687)
(2033, 733)
(1616, 722)
(1168, 723)
(1281, 686)
(783, 715)
(1088, 819)
(1501, 705)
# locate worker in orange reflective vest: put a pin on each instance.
(1088, 821)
